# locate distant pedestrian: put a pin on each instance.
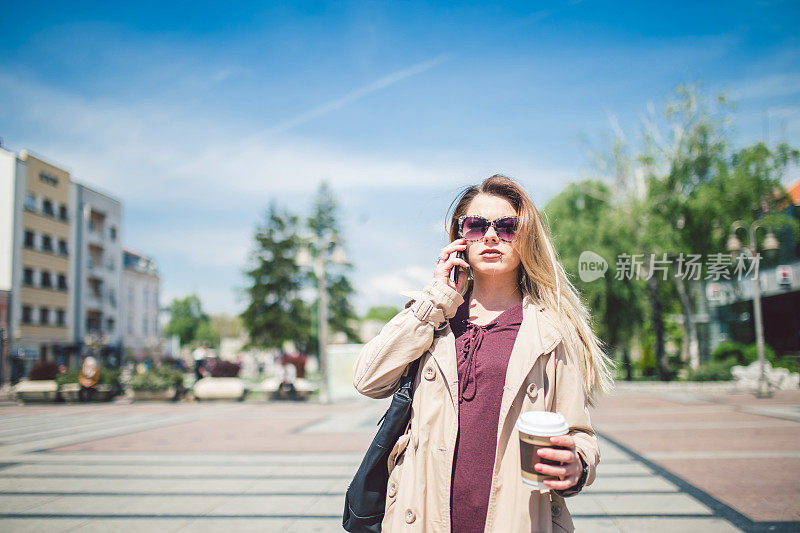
(88, 378)
(509, 335)
(200, 354)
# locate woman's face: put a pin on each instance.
(491, 264)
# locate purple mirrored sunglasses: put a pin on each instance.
(474, 227)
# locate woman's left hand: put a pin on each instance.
(570, 472)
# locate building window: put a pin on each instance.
(47, 282)
(60, 317)
(62, 282)
(155, 327)
(30, 239)
(30, 202)
(112, 297)
(130, 296)
(47, 243)
(47, 208)
(144, 326)
(27, 314)
(48, 179)
(112, 233)
(62, 247)
(44, 316)
(110, 325)
(27, 276)
(130, 324)
(63, 212)
(94, 322)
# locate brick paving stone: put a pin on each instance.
(705, 444)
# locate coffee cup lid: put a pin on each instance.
(543, 423)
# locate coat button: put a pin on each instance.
(533, 391)
(430, 373)
(556, 510)
(392, 492)
(410, 516)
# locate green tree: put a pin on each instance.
(276, 312)
(324, 226)
(584, 218)
(381, 313)
(227, 326)
(681, 192)
(186, 318)
(206, 334)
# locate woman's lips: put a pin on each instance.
(491, 254)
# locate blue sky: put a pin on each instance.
(197, 115)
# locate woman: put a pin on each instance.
(512, 337)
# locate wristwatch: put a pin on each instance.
(577, 487)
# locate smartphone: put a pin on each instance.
(456, 270)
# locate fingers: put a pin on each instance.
(563, 472)
(455, 261)
(458, 244)
(563, 440)
(562, 456)
(561, 484)
(443, 268)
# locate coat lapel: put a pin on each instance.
(445, 357)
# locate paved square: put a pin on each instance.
(668, 464)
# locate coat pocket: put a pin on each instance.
(399, 447)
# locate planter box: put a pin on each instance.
(220, 389)
(154, 395)
(70, 392)
(36, 391)
(303, 388)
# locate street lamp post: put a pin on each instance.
(770, 245)
(321, 257)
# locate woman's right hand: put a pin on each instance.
(448, 259)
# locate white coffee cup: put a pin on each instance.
(535, 429)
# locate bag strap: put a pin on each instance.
(406, 389)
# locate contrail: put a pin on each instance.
(349, 98)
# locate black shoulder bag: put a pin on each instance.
(365, 500)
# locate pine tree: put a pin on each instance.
(276, 312)
(323, 222)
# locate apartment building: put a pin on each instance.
(97, 280)
(36, 249)
(140, 296)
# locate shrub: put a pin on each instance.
(157, 379)
(44, 369)
(787, 363)
(647, 364)
(224, 369)
(108, 376)
(70, 375)
(727, 350)
(713, 371)
(750, 354)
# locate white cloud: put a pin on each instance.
(409, 278)
(146, 152)
(202, 247)
(153, 154)
(767, 86)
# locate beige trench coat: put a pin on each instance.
(539, 377)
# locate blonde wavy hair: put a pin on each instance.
(543, 278)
